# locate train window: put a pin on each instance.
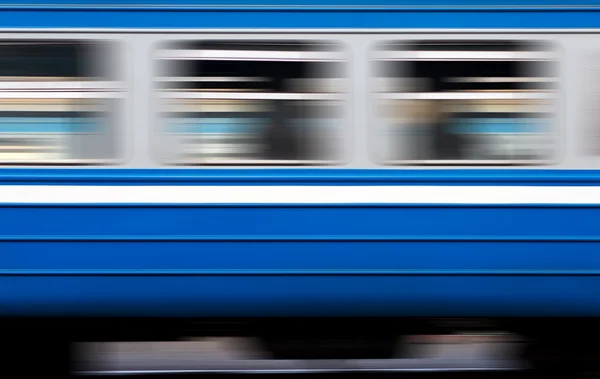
(465, 103)
(58, 101)
(251, 103)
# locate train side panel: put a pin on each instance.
(298, 259)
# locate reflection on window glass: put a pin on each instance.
(259, 102)
(58, 103)
(465, 102)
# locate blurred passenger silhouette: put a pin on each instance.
(282, 139)
(446, 144)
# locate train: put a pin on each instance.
(259, 165)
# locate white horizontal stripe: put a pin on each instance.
(59, 95)
(59, 85)
(250, 55)
(49, 161)
(299, 194)
(252, 96)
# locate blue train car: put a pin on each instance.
(299, 158)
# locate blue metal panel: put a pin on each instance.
(375, 19)
(307, 260)
(300, 296)
(302, 223)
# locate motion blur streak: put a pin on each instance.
(256, 102)
(466, 102)
(59, 102)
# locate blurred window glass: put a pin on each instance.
(58, 103)
(465, 103)
(251, 103)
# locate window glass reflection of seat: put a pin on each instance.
(251, 103)
(466, 102)
(57, 103)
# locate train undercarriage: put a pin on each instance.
(557, 348)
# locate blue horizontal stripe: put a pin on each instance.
(298, 238)
(305, 176)
(298, 205)
(46, 125)
(302, 4)
(498, 125)
(217, 125)
(263, 258)
(302, 19)
(483, 3)
(294, 272)
(301, 223)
